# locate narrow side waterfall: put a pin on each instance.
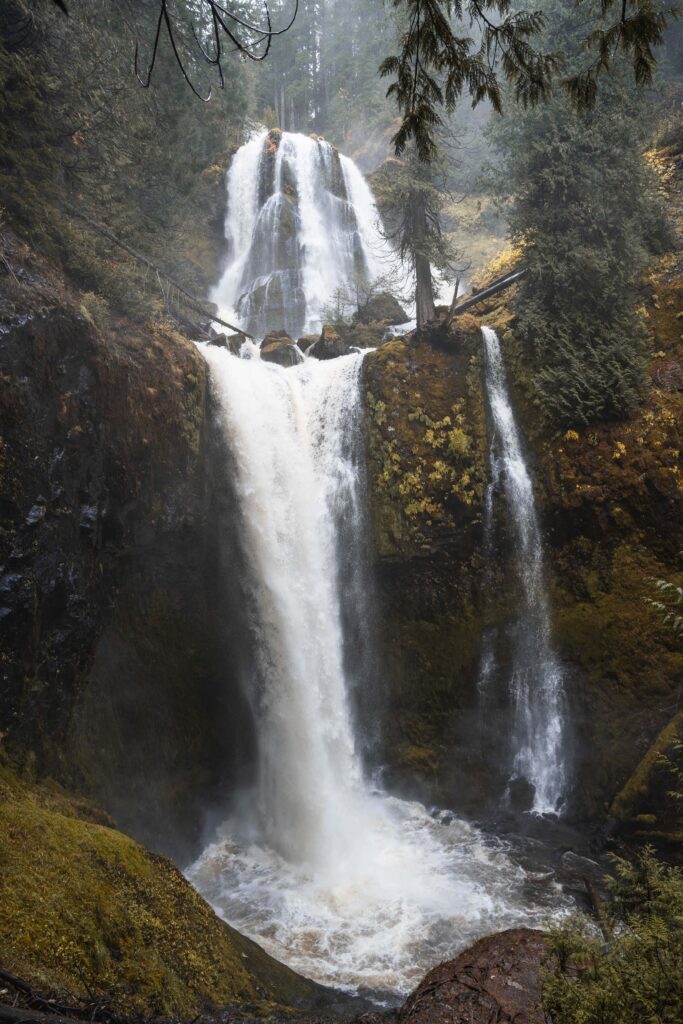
(535, 684)
(340, 880)
(302, 232)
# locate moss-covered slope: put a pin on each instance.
(88, 912)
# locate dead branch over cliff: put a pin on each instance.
(190, 300)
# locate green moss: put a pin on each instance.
(83, 904)
(426, 441)
(637, 788)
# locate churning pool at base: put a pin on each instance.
(409, 890)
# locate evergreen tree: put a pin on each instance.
(451, 48)
(411, 195)
(584, 206)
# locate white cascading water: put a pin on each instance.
(302, 230)
(343, 882)
(536, 684)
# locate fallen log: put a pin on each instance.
(190, 299)
(492, 289)
(21, 1015)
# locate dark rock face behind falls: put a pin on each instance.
(118, 639)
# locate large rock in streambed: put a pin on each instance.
(498, 979)
(277, 347)
(305, 342)
(382, 308)
(232, 342)
(330, 344)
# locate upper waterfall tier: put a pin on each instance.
(302, 232)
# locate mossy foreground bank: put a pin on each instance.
(87, 911)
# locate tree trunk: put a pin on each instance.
(424, 294)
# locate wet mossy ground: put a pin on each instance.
(87, 912)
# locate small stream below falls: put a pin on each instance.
(340, 880)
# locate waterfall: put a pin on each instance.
(536, 684)
(293, 437)
(302, 231)
(342, 881)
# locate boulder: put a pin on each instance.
(329, 345)
(521, 794)
(365, 335)
(278, 347)
(233, 342)
(306, 341)
(497, 979)
(383, 308)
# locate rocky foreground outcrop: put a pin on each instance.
(498, 979)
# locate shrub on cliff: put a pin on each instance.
(636, 974)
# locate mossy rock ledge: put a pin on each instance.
(427, 452)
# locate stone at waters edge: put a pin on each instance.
(329, 345)
(233, 342)
(306, 341)
(498, 978)
(278, 347)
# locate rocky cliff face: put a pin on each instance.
(120, 639)
(610, 503)
(427, 473)
(117, 628)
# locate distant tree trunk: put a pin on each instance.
(280, 112)
(424, 294)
